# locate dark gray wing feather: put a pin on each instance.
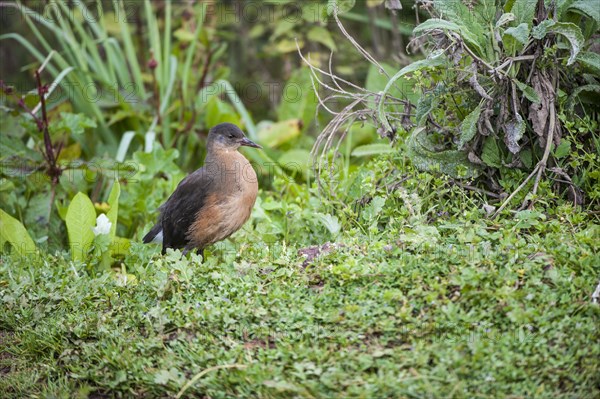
(178, 213)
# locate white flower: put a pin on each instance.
(102, 225)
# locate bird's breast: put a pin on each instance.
(230, 205)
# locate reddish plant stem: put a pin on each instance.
(51, 157)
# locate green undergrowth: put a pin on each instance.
(408, 291)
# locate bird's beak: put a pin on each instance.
(249, 143)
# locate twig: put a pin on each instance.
(204, 372)
(549, 140)
(478, 190)
(510, 197)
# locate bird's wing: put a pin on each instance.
(180, 210)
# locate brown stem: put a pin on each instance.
(53, 170)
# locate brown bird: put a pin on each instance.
(213, 202)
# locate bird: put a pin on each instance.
(213, 202)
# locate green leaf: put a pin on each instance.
(341, 6)
(436, 23)
(529, 92)
(588, 93)
(413, 67)
(274, 134)
(299, 100)
(113, 212)
(520, 33)
(490, 153)
(590, 60)
(570, 31)
(321, 35)
(74, 123)
(14, 232)
(563, 149)
(372, 149)
(540, 31)
(331, 222)
(218, 111)
(504, 19)
(426, 104)
(473, 28)
(526, 157)
(81, 218)
(377, 80)
(524, 11)
(591, 8)
(283, 26)
(374, 208)
(425, 156)
(468, 127)
(295, 160)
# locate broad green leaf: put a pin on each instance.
(377, 80)
(81, 218)
(298, 100)
(490, 153)
(340, 6)
(426, 104)
(563, 149)
(504, 19)
(436, 23)
(74, 123)
(541, 30)
(425, 157)
(275, 134)
(284, 46)
(520, 33)
(14, 232)
(590, 60)
(415, 66)
(570, 31)
(371, 211)
(591, 8)
(468, 127)
(372, 149)
(218, 111)
(473, 28)
(119, 246)
(70, 153)
(524, 10)
(526, 157)
(331, 222)
(296, 160)
(588, 94)
(312, 12)
(113, 212)
(529, 92)
(283, 26)
(321, 35)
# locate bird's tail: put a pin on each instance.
(154, 233)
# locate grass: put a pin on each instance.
(401, 305)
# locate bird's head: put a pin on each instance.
(228, 137)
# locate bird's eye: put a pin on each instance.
(231, 136)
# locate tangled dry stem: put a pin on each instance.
(361, 106)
